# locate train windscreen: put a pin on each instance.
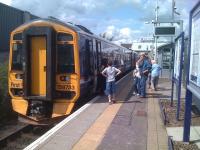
(65, 58)
(17, 57)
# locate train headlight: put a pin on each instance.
(18, 76)
(21, 93)
(64, 78)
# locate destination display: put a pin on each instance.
(195, 49)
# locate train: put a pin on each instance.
(53, 64)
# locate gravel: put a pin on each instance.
(171, 114)
(184, 146)
(172, 122)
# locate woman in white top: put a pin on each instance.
(110, 73)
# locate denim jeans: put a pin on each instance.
(135, 84)
(138, 86)
(143, 80)
(110, 88)
(155, 81)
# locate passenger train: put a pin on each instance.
(53, 64)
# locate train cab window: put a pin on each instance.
(17, 36)
(65, 58)
(17, 56)
(64, 37)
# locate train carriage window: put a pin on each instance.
(64, 37)
(17, 56)
(65, 58)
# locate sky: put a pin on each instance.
(122, 20)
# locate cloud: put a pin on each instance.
(120, 35)
(98, 15)
(7, 2)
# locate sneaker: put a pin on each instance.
(138, 94)
(134, 93)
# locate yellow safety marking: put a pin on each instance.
(93, 137)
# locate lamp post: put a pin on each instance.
(154, 37)
(154, 22)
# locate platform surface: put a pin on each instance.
(130, 124)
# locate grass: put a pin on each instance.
(4, 102)
(3, 80)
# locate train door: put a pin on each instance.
(100, 67)
(89, 58)
(38, 65)
(95, 64)
(98, 52)
(95, 56)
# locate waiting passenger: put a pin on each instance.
(155, 72)
(136, 81)
(149, 75)
(145, 67)
(110, 73)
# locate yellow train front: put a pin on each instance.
(46, 73)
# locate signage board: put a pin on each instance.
(165, 31)
(194, 74)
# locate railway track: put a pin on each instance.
(18, 136)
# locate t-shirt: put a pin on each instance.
(110, 72)
(155, 70)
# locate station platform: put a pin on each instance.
(131, 123)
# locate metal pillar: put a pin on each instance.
(187, 120)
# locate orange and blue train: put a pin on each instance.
(53, 64)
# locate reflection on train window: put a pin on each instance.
(65, 58)
(64, 37)
(17, 56)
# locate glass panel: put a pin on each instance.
(17, 56)
(17, 36)
(65, 58)
(64, 37)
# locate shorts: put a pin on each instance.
(110, 88)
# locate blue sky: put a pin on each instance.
(123, 19)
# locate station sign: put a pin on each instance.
(177, 57)
(165, 31)
(195, 48)
(193, 74)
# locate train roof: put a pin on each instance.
(77, 28)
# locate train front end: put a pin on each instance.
(44, 73)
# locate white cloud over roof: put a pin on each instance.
(104, 16)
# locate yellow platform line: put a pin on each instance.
(94, 135)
